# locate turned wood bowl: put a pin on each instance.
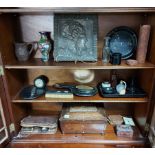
(131, 62)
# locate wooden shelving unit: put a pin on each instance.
(18, 74)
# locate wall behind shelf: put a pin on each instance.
(25, 27)
(57, 76)
(107, 22)
(30, 25)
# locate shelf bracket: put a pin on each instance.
(12, 127)
(1, 71)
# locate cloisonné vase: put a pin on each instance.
(45, 45)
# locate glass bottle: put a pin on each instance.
(45, 45)
(106, 51)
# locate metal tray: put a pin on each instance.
(138, 93)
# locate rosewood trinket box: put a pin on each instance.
(85, 119)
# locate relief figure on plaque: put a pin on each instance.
(73, 38)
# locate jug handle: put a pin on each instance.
(124, 83)
(31, 47)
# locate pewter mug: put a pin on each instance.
(23, 51)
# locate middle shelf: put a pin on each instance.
(96, 98)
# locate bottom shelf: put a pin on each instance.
(109, 139)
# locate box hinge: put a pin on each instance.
(147, 127)
(1, 71)
(12, 127)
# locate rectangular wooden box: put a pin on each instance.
(124, 131)
(81, 125)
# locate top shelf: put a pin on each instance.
(77, 9)
(38, 64)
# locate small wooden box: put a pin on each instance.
(82, 122)
(124, 131)
(39, 125)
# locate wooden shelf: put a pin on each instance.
(38, 64)
(109, 138)
(77, 9)
(96, 98)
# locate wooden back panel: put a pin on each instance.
(66, 75)
(26, 27)
(107, 22)
(29, 25)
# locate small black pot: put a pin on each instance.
(116, 58)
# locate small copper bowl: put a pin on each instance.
(131, 62)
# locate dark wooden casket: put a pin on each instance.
(83, 120)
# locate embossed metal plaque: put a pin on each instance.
(75, 37)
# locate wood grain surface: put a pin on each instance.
(77, 9)
(84, 140)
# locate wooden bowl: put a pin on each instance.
(131, 62)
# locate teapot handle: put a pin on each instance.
(124, 83)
